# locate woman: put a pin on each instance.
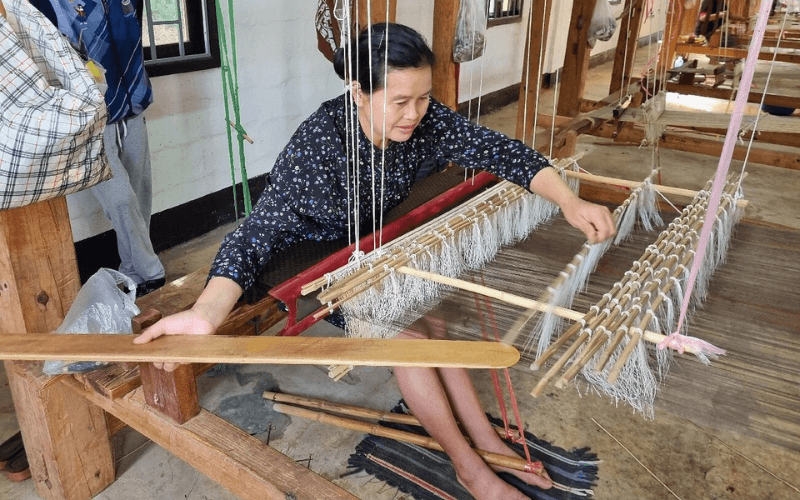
(310, 194)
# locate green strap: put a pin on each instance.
(230, 84)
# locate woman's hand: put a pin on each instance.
(188, 322)
(207, 314)
(594, 220)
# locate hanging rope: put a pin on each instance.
(230, 86)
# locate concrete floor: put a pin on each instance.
(668, 457)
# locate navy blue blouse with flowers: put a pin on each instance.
(306, 197)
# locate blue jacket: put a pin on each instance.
(109, 33)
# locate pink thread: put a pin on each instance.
(727, 154)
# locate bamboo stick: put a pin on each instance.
(354, 411)
(406, 437)
(622, 182)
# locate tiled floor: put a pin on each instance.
(669, 457)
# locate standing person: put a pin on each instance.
(307, 197)
(108, 35)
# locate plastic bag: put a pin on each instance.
(101, 306)
(603, 23)
(470, 38)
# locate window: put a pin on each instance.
(504, 11)
(179, 36)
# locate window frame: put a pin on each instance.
(169, 61)
(499, 21)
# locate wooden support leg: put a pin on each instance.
(576, 59)
(65, 437)
(172, 393)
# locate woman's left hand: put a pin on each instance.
(594, 220)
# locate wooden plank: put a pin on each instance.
(725, 93)
(65, 437)
(627, 43)
(445, 82)
(576, 59)
(247, 467)
(706, 146)
(378, 10)
(734, 53)
(531, 81)
(260, 350)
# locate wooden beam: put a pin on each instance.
(725, 93)
(576, 58)
(445, 80)
(627, 43)
(65, 438)
(680, 21)
(240, 462)
(733, 53)
(706, 146)
(260, 350)
(378, 10)
(531, 82)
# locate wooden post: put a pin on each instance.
(378, 11)
(576, 59)
(65, 437)
(627, 41)
(445, 81)
(680, 21)
(531, 81)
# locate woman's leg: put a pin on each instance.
(467, 408)
(425, 395)
(430, 393)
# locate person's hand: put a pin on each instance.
(594, 220)
(189, 322)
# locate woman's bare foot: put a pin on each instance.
(542, 481)
(483, 484)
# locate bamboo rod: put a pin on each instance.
(406, 437)
(354, 411)
(652, 337)
(632, 184)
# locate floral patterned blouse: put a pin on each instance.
(309, 191)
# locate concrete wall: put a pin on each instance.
(283, 78)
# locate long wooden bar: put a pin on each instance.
(259, 350)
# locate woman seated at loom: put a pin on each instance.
(309, 194)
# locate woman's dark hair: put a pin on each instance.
(407, 49)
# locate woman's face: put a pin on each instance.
(406, 94)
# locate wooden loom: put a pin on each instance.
(38, 290)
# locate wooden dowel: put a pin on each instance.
(353, 411)
(626, 353)
(406, 437)
(559, 364)
(658, 187)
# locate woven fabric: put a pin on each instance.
(429, 475)
(52, 114)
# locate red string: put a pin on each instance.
(529, 467)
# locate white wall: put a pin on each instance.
(283, 78)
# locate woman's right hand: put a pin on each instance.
(207, 314)
(189, 322)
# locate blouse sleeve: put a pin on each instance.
(299, 203)
(270, 227)
(464, 143)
